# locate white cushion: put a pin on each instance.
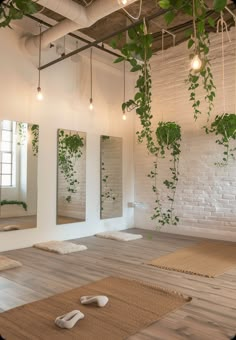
(119, 236)
(60, 247)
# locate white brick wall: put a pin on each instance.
(205, 198)
(111, 157)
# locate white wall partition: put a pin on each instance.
(66, 91)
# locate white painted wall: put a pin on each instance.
(206, 195)
(66, 89)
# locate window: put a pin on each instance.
(6, 153)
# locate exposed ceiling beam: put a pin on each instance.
(73, 35)
(77, 17)
(96, 42)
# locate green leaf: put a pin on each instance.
(113, 43)
(200, 27)
(123, 106)
(169, 17)
(219, 5)
(190, 43)
(165, 4)
(138, 95)
(118, 60)
(211, 22)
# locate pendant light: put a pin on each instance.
(124, 117)
(196, 62)
(123, 2)
(39, 94)
(91, 80)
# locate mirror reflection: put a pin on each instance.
(18, 175)
(71, 176)
(111, 177)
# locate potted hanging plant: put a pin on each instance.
(15, 10)
(138, 52)
(168, 136)
(224, 127)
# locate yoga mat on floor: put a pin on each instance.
(132, 306)
(7, 263)
(208, 259)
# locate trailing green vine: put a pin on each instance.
(224, 126)
(69, 152)
(6, 202)
(35, 138)
(198, 44)
(22, 136)
(15, 10)
(168, 136)
(21, 133)
(138, 52)
(107, 192)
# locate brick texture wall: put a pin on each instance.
(205, 198)
(111, 171)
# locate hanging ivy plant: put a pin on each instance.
(15, 10)
(69, 152)
(35, 139)
(21, 133)
(107, 192)
(168, 135)
(138, 52)
(224, 127)
(22, 136)
(198, 44)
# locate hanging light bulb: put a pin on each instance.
(91, 104)
(196, 63)
(91, 80)
(123, 2)
(124, 117)
(39, 94)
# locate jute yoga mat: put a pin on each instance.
(132, 306)
(208, 259)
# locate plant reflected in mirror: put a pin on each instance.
(18, 175)
(111, 177)
(71, 176)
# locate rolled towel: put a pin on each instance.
(69, 320)
(100, 300)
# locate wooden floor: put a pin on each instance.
(210, 315)
(22, 222)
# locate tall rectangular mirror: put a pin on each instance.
(71, 176)
(18, 175)
(111, 177)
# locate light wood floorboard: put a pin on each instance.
(210, 315)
